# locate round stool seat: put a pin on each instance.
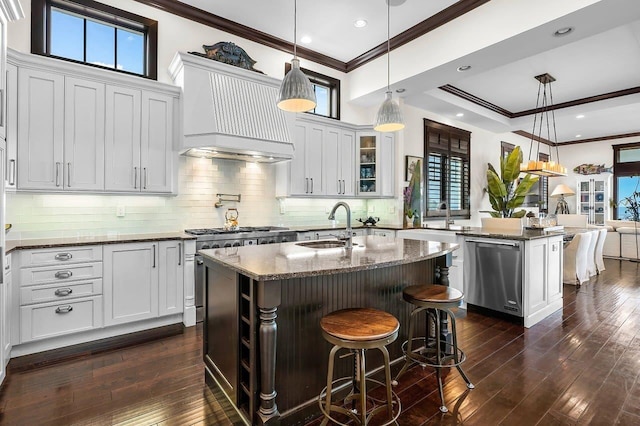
(435, 295)
(360, 325)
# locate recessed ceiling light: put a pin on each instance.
(578, 136)
(400, 90)
(305, 40)
(360, 23)
(257, 156)
(460, 114)
(579, 116)
(563, 31)
(463, 68)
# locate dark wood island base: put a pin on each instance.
(262, 341)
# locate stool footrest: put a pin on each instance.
(352, 414)
(428, 356)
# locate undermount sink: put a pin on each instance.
(322, 244)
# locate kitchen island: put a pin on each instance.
(262, 341)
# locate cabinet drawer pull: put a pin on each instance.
(135, 178)
(63, 274)
(179, 254)
(63, 256)
(57, 173)
(61, 292)
(12, 172)
(64, 309)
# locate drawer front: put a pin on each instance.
(60, 273)
(60, 255)
(55, 319)
(60, 292)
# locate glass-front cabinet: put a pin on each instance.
(593, 198)
(375, 157)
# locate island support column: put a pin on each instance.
(268, 302)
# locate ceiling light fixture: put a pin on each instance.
(306, 39)
(579, 116)
(563, 31)
(296, 93)
(463, 68)
(460, 114)
(578, 136)
(360, 23)
(400, 90)
(533, 166)
(389, 117)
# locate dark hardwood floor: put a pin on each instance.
(579, 366)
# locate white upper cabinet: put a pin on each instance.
(40, 129)
(306, 166)
(375, 156)
(122, 139)
(338, 161)
(156, 155)
(84, 116)
(84, 129)
(11, 120)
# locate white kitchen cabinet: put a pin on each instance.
(338, 160)
(60, 292)
(84, 116)
(156, 149)
(84, 129)
(40, 129)
(122, 139)
(542, 278)
(375, 157)
(11, 131)
(7, 310)
(171, 280)
(60, 132)
(306, 166)
(131, 274)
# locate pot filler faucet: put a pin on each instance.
(332, 216)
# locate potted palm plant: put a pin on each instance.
(506, 191)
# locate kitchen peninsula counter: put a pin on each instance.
(262, 342)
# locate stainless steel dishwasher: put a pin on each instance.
(493, 271)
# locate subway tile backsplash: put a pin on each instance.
(57, 215)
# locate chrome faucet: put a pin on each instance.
(448, 220)
(332, 216)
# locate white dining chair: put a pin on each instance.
(577, 220)
(591, 254)
(602, 235)
(575, 259)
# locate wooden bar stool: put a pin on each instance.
(359, 329)
(436, 351)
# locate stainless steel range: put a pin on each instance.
(209, 238)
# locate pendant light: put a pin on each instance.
(389, 117)
(534, 166)
(296, 92)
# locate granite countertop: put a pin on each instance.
(289, 260)
(11, 245)
(474, 231)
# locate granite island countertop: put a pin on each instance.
(11, 245)
(289, 260)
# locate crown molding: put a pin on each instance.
(206, 18)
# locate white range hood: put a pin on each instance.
(229, 112)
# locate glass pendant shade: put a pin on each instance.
(389, 116)
(296, 93)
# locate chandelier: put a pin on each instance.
(544, 103)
